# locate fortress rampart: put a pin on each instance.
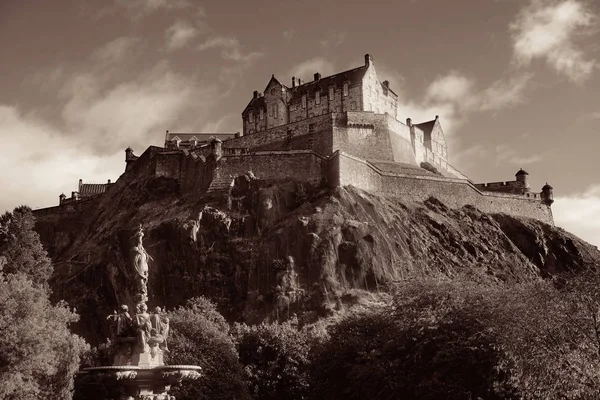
(346, 169)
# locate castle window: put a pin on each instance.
(303, 101)
(262, 114)
(318, 97)
(311, 128)
(275, 111)
(345, 89)
(251, 117)
(331, 93)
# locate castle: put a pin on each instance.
(337, 130)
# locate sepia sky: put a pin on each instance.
(516, 82)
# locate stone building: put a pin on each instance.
(338, 130)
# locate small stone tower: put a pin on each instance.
(216, 148)
(522, 181)
(547, 194)
(129, 158)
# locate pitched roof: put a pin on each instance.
(257, 103)
(90, 189)
(200, 136)
(426, 127)
(352, 75)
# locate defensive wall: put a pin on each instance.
(346, 169)
(197, 172)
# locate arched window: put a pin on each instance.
(318, 97)
(331, 93)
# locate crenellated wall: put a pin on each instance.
(455, 193)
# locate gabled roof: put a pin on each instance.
(255, 104)
(427, 127)
(353, 75)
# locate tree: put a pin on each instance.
(200, 336)
(275, 358)
(38, 353)
(21, 247)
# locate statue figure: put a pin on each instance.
(144, 327)
(140, 262)
(160, 326)
(165, 333)
(119, 322)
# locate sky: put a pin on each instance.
(516, 83)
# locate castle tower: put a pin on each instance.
(547, 194)
(522, 181)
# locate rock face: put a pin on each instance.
(268, 250)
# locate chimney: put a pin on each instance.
(255, 96)
(293, 81)
(237, 134)
(73, 196)
(317, 76)
(368, 60)
(299, 82)
(437, 117)
(386, 84)
(80, 183)
(408, 122)
(109, 181)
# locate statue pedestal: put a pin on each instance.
(132, 382)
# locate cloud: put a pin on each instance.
(454, 97)
(579, 214)
(506, 154)
(288, 35)
(334, 39)
(115, 50)
(179, 34)
(450, 87)
(44, 172)
(548, 30)
(307, 69)
(231, 49)
(593, 116)
(141, 8)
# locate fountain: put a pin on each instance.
(138, 371)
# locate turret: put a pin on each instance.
(129, 158)
(547, 194)
(216, 148)
(522, 180)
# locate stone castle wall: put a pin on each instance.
(309, 134)
(453, 192)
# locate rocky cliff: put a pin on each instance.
(267, 250)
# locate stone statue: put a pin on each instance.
(165, 333)
(144, 327)
(120, 323)
(160, 326)
(140, 262)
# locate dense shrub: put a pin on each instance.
(275, 358)
(200, 336)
